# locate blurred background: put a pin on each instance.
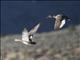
(16, 15)
(51, 45)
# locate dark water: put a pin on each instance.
(16, 15)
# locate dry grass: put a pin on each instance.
(58, 45)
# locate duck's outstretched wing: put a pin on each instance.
(62, 23)
(25, 35)
(32, 31)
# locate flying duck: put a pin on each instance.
(60, 20)
(27, 37)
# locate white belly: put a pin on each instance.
(26, 43)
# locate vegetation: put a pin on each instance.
(58, 45)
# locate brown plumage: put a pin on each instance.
(59, 21)
(57, 24)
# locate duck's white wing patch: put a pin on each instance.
(62, 23)
(25, 35)
(32, 31)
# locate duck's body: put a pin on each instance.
(60, 21)
(27, 37)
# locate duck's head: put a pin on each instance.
(57, 17)
(61, 17)
(31, 36)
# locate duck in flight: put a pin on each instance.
(60, 20)
(27, 37)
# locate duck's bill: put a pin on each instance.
(54, 16)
